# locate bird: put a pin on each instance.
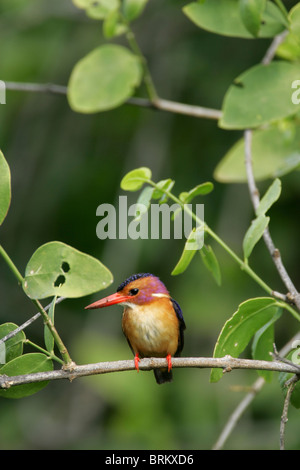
(152, 321)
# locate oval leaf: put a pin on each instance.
(254, 234)
(251, 13)
(13, 347)
(223, 17)
(135, 179)
(200, 190)
(161, 186)
(26, 364)
(260, 95)
(133, 8)
(275, 152)
(5, 190)
(104, 79)
(240, 328)
(58, 269)
(263, 345)
(210, 261)
(269, 197)
(193, 243)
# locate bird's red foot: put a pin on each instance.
(136, 361)
(169, 361)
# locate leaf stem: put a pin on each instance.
(62, 349)
(243, 264)
(130, 36)
(44, 351)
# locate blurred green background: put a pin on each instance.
(65, 164)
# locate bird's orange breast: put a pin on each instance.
(152, 329)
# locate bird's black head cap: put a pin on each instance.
(134, 277)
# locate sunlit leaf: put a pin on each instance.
(223, 17)
(260, 95)
(58, 269)
(275, 152)
(104, 79)
(200, 190)
(135, 179)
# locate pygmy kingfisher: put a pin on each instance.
(152, 321)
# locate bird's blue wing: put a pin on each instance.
(182, 326)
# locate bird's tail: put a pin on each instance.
(162, 375)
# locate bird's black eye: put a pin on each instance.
(134, 291)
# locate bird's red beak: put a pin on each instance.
(110, 300)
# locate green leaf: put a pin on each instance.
(58, 269)
(260, 95)
(210, 261)
(26, 364)
(134, 180)
(104, 79)
(200, 190)
(143, 202)
(223, 17)
(113, 25)
(98, 9)
(133, 8)
(289, 49)
(240, 328)
(48, 337)
(262, 345)
(13, 347)
(251, 13)
(193, 243)
(275, 152)
(294, 18)
(161, 186)
(254, 234)
(271, 196)
(5, 190)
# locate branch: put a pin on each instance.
(274, 252)
(284, 415)
(159, 104)
(227, 363)
(243, 405)
(28, 322)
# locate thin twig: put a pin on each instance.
(247, 400)
(28, 322)
(269, 55)
(159, 104)
(227, 363)
(284, 416)
(274, 252)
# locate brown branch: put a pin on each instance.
(247, 400)
(159, 104)
(227, 363)
(274, 252)
(284, 416)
